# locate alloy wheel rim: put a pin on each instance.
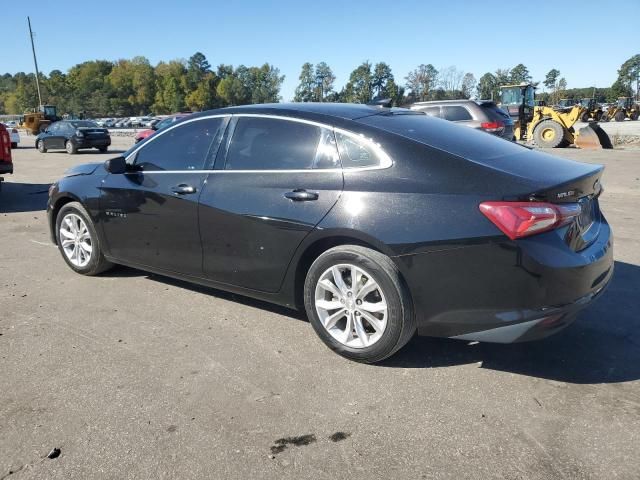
(351, 306)
(75, 240)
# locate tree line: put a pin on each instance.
(135, 87)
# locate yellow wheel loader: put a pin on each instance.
(593, 110)
(546, 126)
(623, 109)
(36, 122)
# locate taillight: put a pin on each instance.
(5, 144)
(492, 126)
(521, 219)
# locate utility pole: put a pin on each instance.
(35, 62)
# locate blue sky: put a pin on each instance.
(474, 36)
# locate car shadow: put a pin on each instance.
(87, 152)
(23, 197)
(127, 272)
(602, 346)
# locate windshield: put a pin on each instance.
(513, 96)
(84, 124)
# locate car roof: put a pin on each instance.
(345, 111)
(438, 102)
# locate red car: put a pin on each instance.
(6, 164)
(159, 126)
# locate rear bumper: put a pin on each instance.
(93, 142)
(504, 291)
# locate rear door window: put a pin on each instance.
(456, 113)
(261, 143)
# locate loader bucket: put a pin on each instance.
(592, 137)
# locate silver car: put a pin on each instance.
(482, 115)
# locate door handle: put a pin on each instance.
(183, 189)
(301, 195)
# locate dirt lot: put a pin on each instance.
(133, 375)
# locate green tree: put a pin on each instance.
(204, 96)
(381, 77)
(551, 82)
(487, 87)
(359, 89)
(232, 92)
(170, 87)
(421, 82)
(324, 80)
(197, 68)
(629, 74)
(519, 74)
(306, 89)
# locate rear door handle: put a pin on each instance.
(301, 195)
(183, 189)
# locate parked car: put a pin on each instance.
(14, 135)
(481, 115)
(379, 222)
(123, 123)
(165, 122)
(6, 161)
(73, 135)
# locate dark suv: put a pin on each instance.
(481, 115)
(73, 135)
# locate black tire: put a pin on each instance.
(40, 146)
(103, 149)
(70, 147)
(620, 116)
(604, 118)
(401, 322)
(598, 116)
(542, 130)
(585, 117)
(14, 145)
(97, 263)
(634, 116)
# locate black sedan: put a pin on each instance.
(73, 135)
(381, 223)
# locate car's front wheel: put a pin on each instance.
(78, 241)
(103, 149)
(70, 147)
(41, 147)
(358, 304)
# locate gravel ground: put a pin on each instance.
(133, 375)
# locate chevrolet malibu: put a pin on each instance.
(380, 223)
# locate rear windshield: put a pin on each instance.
(443, 135)
(84, 124)
(494, 112)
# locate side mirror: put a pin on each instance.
(116, 165)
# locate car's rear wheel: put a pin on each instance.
(78, 241)
(41, 147)
(70, 147)
(358, 304)
(103, 149)
(548, 134)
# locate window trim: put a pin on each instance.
(385, 160)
